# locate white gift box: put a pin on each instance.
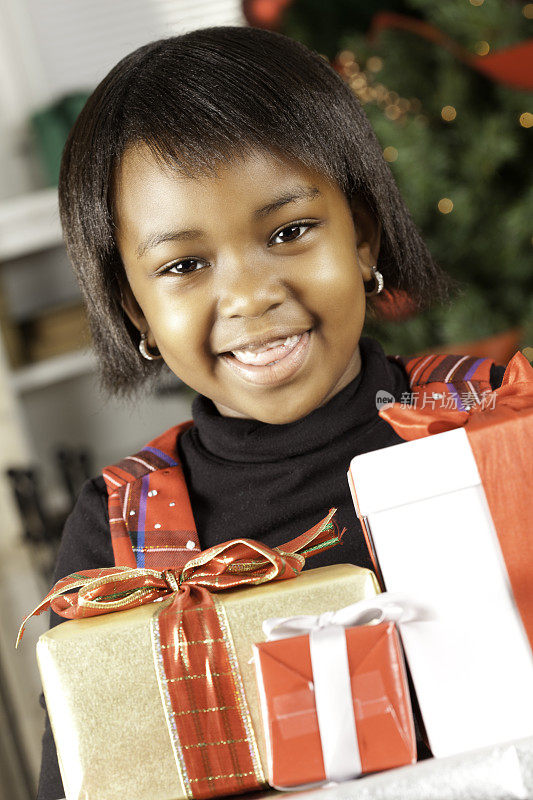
(429, 525)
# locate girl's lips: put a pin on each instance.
(273, 373)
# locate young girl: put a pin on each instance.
(228, 211)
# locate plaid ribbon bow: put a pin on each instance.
(514, 395)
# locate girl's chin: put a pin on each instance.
(279, 393)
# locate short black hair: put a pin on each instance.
(196, 100)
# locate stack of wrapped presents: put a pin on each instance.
(243, 673)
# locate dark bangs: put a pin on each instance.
(198, 100)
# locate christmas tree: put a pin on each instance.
(448, 88)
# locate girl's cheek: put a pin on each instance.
(338, 280)
(182, 328)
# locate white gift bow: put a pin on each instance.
(331, 674)
(385, 607)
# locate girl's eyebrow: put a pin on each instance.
(156, 239)
(290, 196)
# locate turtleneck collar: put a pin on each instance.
(251, 441)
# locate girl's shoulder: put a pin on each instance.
(160, 453)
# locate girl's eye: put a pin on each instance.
(183, 267)
(291, 232)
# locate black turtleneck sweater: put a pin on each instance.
(254, 480)
(273, 482)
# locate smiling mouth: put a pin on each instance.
(270, 353)
(274, 362)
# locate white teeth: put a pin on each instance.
(253, 356)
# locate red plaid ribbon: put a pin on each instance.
(515, 394)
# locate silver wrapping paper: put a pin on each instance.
(502, 772)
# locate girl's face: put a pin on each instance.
(250, 283)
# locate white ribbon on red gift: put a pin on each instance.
(333, 693)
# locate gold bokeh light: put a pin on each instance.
(448, 113)
(390, 154)
(482, 48)
(445, 205)
(374, 64)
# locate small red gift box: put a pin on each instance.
(367, 729)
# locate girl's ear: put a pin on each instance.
(133, 311)
(367, 236)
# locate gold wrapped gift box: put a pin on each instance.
(103, 696)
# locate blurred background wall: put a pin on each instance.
(55, 425)
(448, 87)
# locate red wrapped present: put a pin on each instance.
(499, 428)
(335, 703)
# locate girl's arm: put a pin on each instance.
(85, 544)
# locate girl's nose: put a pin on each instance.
(249, 292)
